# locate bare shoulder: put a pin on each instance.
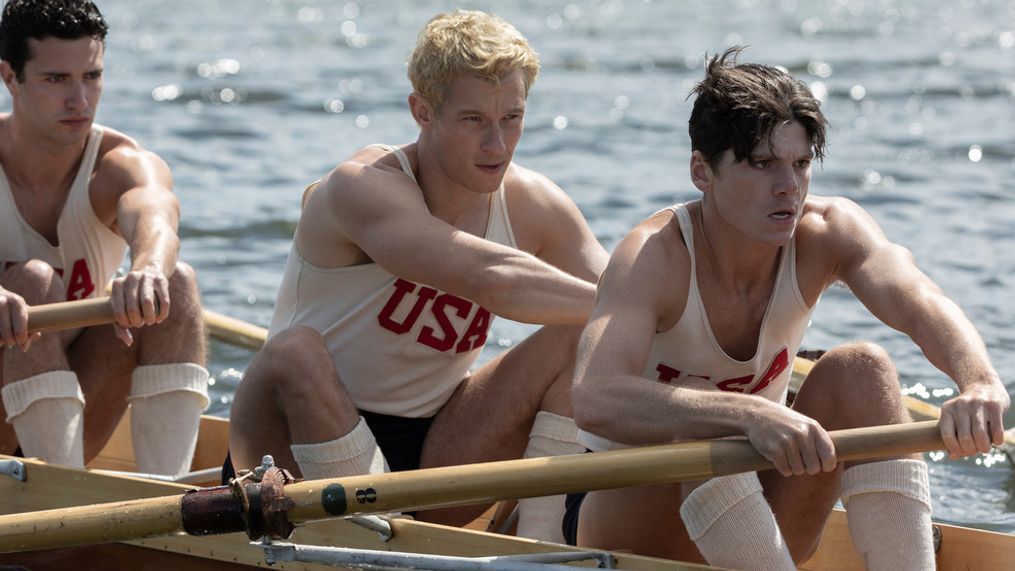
(123, 164)
(543, 215)
(835, 233)
(651, 263)
(835, 221)
(531, 190)
(366, 186)
(369, 179)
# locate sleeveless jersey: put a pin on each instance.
(400, 348)
(688, 355)
(87, 253)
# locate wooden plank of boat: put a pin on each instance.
(51, 486)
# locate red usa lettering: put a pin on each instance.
(779, 364)
(444, 336)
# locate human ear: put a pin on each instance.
(701, 172)
(420, 110)
(9, 77)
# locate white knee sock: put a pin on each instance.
(552, 435)
(47, 413)
(166, 402)
(733, 526)
(350, 455)
(888, 510)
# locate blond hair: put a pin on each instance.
(468, 43)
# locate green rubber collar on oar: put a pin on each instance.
(333, 500)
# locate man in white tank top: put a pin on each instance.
(73, 197)
(697, 320)
(401, 257)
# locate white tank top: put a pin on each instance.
(400, 348)
(688, 355)
(87, 253)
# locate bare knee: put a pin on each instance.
(35, 281)
(183, 291)
(299, 363)
(853, 385)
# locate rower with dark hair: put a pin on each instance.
(73, 197)
(698, 317)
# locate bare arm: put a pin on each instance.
(884, 277)
(383, 214)
(147, 216)
(645, 285)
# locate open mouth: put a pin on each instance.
(782, 215)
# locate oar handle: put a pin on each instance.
(70, 314)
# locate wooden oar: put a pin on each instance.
(70, 314)
(98, 311)
(426, 489)
(234, 331)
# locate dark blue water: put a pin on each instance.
(249, 101)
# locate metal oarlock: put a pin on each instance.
(254, 502)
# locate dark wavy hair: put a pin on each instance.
(738, 105)
(39, 19)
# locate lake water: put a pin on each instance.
(249, 101)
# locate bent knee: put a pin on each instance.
(183, 280)
(295, 349)
(853, 385)
(36, 281)
(856, 362)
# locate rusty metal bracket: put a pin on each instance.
(255, 503)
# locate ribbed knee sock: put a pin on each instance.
(166, 403)
(888, 510)
(47, 413)
(733, 526)
(350, 455)
(552, 435)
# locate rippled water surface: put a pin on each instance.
(249, 101)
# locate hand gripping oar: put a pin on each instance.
(98, 311)
(272, 506)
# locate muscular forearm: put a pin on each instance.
(527, 289)
(951, 343)
(154, 245)
(636, 411)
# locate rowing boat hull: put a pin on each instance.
(48, 487)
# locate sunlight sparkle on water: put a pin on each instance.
(975, 153)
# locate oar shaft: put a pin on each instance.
(234, 331)
(481, 483)
(432, 488)
(70, 314)
(86, 525)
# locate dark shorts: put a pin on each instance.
(399, 438)
(572, 507)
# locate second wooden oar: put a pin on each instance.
(223, 509)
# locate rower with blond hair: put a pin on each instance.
(402, 257)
